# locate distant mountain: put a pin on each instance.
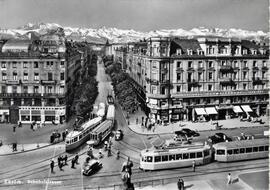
(117, 35)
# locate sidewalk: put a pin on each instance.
(199, 126)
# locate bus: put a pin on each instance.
(241, 150)
(77, 137)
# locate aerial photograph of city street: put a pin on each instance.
(134, 94)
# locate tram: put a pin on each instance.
(77, 137)
(105, 128)
(175, 157)
(101, 110)
(110, 100)
(241, 150)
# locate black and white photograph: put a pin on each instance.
(134, 94)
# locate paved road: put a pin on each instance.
(35, 165)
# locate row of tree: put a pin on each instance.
(121, 83)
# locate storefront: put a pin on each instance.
(4, 115)
(177, 114)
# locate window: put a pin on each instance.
(199, 154)
(255, 149)
(25, 65)
(235, 64)
(75, 139)
(4, 76)
(164, 158)
(35, 89)
(210, 87)
(200, 76)
(244, 51)
(223, 63)
(149, 159)
(245, 64)
(25, 89)
(35, 64)
(244, 86)
(261, 148)
(210, 75)
(62, 64)
(244, 75)
(185, 155)
(50, 76)
(157, 158)
(263, 74)
(200, 64)
(25, 76)
(4, 89)
(62, 76)
(178, 64)
(62, 89)
(14, 89)
(189, 51)
(15, 76)
(266, 148)
(4, 65)
(248, 150)
(264, 63)
(254, 74)
(178, 88)
(229, 152)
(171, 157)
(192, 155)
(254, 63)
(189, 64)
(178, 156)
(210, 64)
(14, 64)
(178, 76)
(235, 151)
(220, 152)
(242, 150)
(36, 76)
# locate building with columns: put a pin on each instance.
(200, 78)
(34, 74)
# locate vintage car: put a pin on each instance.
(119, 135)
(91, 167)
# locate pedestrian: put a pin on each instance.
(73, 163)
(20, 124)
(179, 184)
(137, 120)
(14, 128)
(229, 179)
(182, 183)
(117, 154)
(59, 159)
(77, 158)
(52, 166)
(193, 165)
(63, 135)
(105, 145)
(65, 159)
(100, 155)
(142, 119)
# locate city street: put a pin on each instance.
(34, 165)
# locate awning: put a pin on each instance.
(246, 108)
(211, 110)
(200, 111)
(237, 109)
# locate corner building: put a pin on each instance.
(199, 79)
(33, 79)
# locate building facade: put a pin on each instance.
(202, 78)
(34, 74)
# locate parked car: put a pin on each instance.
(119, 135)
(219, 137)
(91, 167)
(190, 133)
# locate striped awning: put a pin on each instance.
(237, 109)
(246, 108)
(35, 112)
(49, 112)
(200, 111)
(211, 110)
(25, 112)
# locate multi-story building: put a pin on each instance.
(202, 78)
(33, 77)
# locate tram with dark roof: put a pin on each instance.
(241, 150)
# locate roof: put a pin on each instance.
(17, 45)
(242, 143)
(102, 127)
(250, 45)
(186, 44)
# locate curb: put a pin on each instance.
(8, 154)
(138, 133)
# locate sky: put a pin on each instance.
(142, 15)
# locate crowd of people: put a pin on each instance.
(63, 161)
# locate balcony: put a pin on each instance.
(245, 68)
(226, 81)
(255, 68)
(44, 82)
(179, 69)
(13, 82)
(190, 69)
(201, 68)
(31, 95)
(264, 68)
(257, 81)
(193, 83)
(226, 69)
(154, 82)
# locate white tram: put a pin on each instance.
(77, 137)
(110, 113)
(101, 110)
(175, 157)
(241, 150)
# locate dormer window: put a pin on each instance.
(254, 52)
(189, 51)
(244, 51)
(178, 52)
(200, 52)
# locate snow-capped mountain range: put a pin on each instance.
(118, 35)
